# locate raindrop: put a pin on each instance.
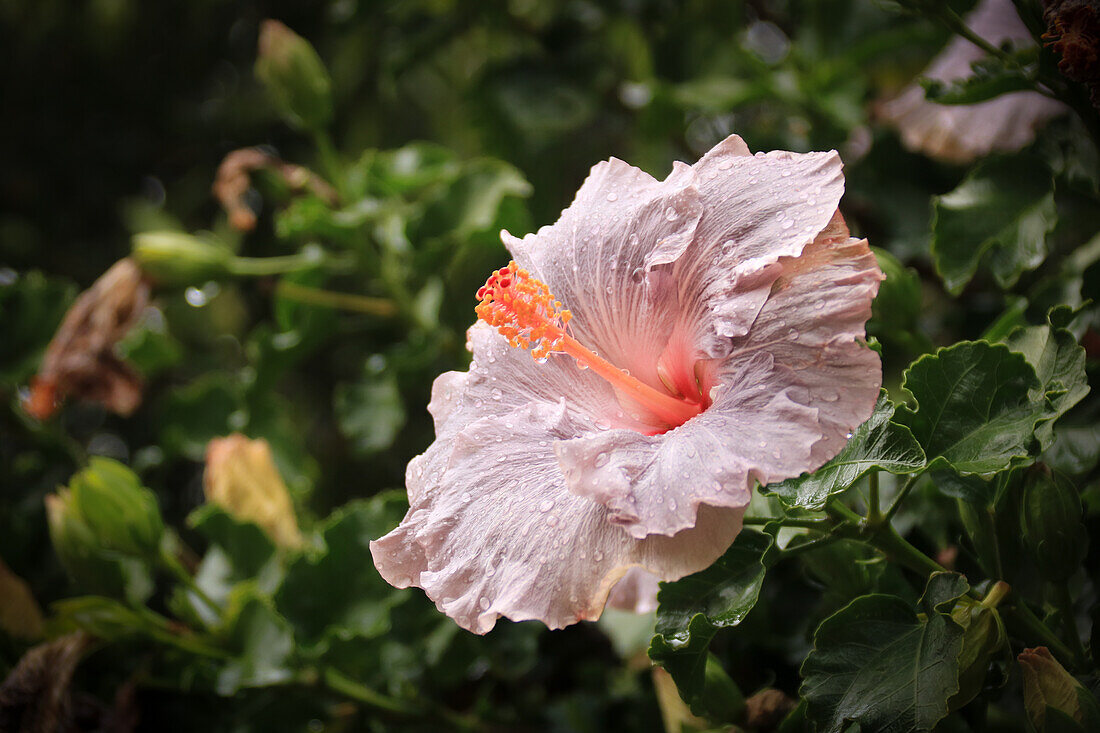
(543, 443)
(786, 173)
(725, 164)
(637, 275)
(672, 505)
(478, 404)
(819, 305)
(466, 497)
(671, 214)
(551, 520)
(848, 436)
(601, 460)
(496, 394)
(546, 505)
(597, 556)
(484, 603)
(787, 223)
(195, 297)
(612, 196)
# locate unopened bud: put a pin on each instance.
(107, 508)
(294, 76)
(1047, 685)
(984, 634)
(175, 258)
(1052, 528)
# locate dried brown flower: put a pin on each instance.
(234, 178)
(80, 360)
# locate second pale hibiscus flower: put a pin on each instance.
(692, 336)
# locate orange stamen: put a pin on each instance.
(524, 311)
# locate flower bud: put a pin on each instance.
(295, 78)
(1047, 685)
(1052, 529)
(175, 258)
(241, 477)
(984, 635)
(107, 508)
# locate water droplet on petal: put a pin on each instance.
(546, 505)
(466, 497)
(551, 520)
(725, 164)
(672, 505)
(496, 394)
(671, 214)
(597, 556)
(848, 436)
(786, 173)
(601, 460)
(637, 275)
(787, 223)
(483, 602)
(612, 196)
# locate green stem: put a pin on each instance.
(330, 299)
(885, 538)
(903, 492)
(952, 20)
(810, 546)
(265, 266)
(173, 566)
(805, 523)
(874, 514)
(1022, 616)
(1069, 620)
(346, 686)
(330, 161)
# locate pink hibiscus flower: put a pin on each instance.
(691, 336)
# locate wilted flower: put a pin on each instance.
(692, 336)
(963, 132)
(241, 477)
(80, 360)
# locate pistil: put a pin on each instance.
(524, 311)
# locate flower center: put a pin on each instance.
(524, 311)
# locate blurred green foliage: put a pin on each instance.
(393, 141)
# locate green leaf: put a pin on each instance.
(878, 663)
(1003, 212)
(991, 78)
(1059, 363)
(337, 590)
(877, 444)
(370, 412)
(240, 552)
(974, 410)
(111, 620)
(262, 640)
(693, 609)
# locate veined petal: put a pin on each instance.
(599, 260)
(757, 209)
(496, 532)
(786, 398)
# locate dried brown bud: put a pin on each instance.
(766, 709)
(234, 178)
(1073, 32)
(35, 697)
(80, 360)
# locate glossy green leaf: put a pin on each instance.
(973, 407)
(878, 663)
(1001, 212)
(239, 552)
(262, 641)
(877, 444)
(693, 609)
(991, 77)
(1059, 363)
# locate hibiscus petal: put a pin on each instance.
(598, 260)
(758, 208)
(962, 132)
(493, 531)
(788, 395)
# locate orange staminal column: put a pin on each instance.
(524, 311)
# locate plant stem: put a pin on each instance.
(885, 538)
(874, 514)
(809, 546)
(1029, 623)
(902, 493)
(264, 266)
(1069, 620)
(330, 161)
(172, 565)
(346, 686)
(330, 299)
(805, 523)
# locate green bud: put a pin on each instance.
(1051, 521)
(175, 258)
(984, 635)
(113, 510)
(295, 78)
